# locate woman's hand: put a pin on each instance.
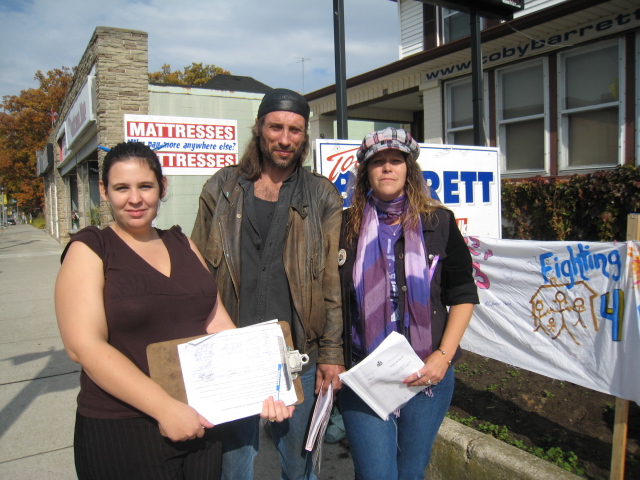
(434, 369)
(436, 364)
(181, 422)
(276, 410)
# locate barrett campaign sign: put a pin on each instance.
(465, 179)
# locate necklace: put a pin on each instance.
(394, 232)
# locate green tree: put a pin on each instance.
(193, 75)
(25, 124)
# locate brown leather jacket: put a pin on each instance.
(310, 255)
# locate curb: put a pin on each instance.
(463, 453)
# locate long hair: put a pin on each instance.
(419, 200)
(251, 161)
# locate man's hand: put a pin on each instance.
(327, 373)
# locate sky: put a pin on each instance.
(263, 39)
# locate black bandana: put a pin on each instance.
(283, 100)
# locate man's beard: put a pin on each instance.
(283, 165)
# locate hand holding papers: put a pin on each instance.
(229, 374)
(378, 378)
(319, 423)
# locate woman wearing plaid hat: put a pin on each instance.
(402, 262)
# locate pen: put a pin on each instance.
(434, 263)
(278, 384)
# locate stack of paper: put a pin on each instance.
(228, 375)
(378, 378)
(319, 423)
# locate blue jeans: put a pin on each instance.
(399, 448)
(240, 440)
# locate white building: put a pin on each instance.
(561, 88)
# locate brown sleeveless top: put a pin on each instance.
(144, 306)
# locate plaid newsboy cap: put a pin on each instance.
(390, 137)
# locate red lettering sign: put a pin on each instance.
(196, 160)
(344, 161)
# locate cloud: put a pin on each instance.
(264, 40)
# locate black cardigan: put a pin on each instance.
(452, 282)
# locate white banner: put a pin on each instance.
(186, 145)
(466, 179)
(567, 310)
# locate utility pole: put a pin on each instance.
(3, 212)
(479, 134)
(302, 59)
(341, 71)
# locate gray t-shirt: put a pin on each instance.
(264, 288)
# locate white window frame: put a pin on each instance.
(449, 131)
(563, 127)
(501, 123)
(485, 110)
(444, 13)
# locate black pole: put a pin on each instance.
(341, 75)
(479, 135)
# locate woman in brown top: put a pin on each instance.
(118, 290)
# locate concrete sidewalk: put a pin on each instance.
(38, 382)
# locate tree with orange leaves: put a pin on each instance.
(25, 123)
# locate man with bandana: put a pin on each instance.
(269, 231)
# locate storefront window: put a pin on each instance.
(459, 112)
(590, 106)
(94, 192)
(74, 214)
(521, 118)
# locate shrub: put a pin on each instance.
(95, 216)
(39, 222)
(591, 207)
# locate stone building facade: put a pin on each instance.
(111, 81)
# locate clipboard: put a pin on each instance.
(165, 370)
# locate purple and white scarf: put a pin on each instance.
(372, 283)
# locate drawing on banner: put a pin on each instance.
(564, 308)
(633, 252)
(613, 312)
(580, 264)
(481, 279)
(634, 266)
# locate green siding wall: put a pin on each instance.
(180, 205)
